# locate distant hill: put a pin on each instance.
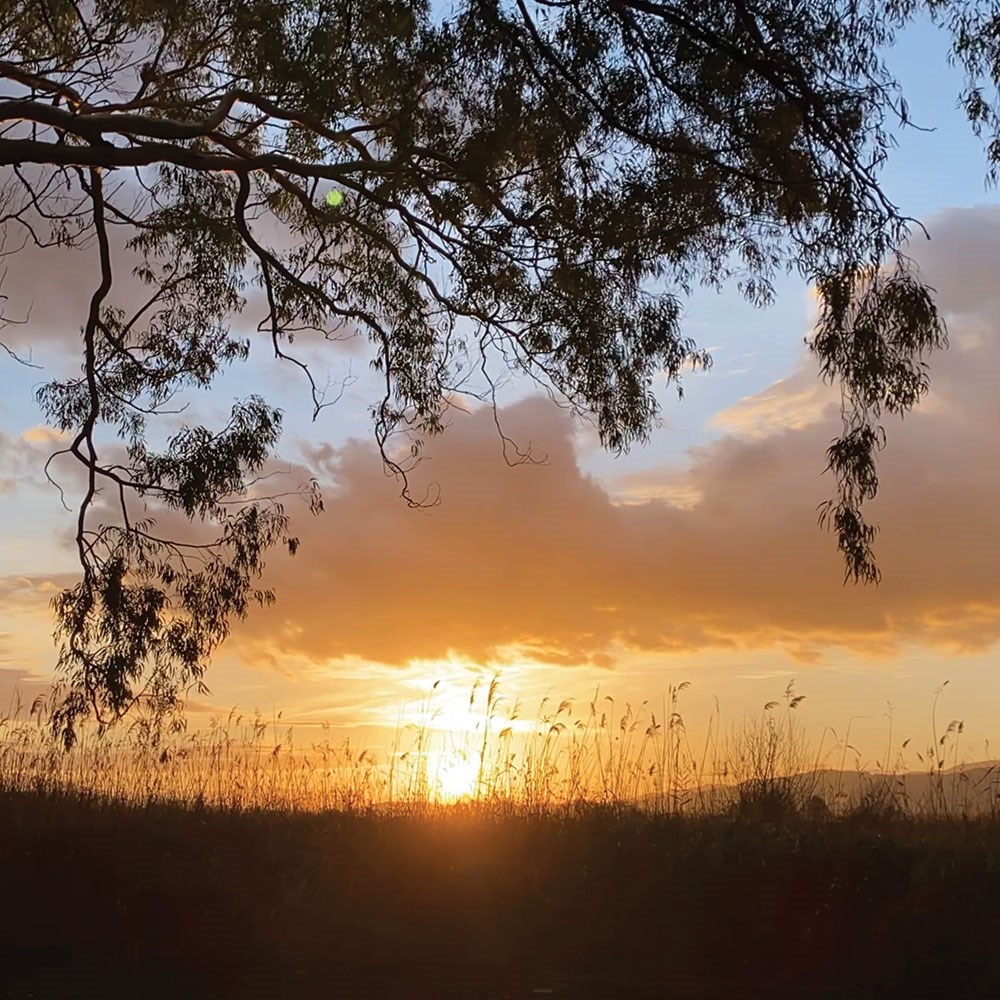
(973, 788)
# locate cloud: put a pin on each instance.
(41, 434)
(545, 561)
(27, 653)
(30, 597)
(49, 288)
(22, 458)
(18, 690)
(795, 402)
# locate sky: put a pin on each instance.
(694, 558)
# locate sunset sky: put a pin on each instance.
(696, 558)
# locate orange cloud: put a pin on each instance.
(545, 559)
(795, 402)
(41, 434)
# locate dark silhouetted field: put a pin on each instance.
(159, 864)
(479, 902)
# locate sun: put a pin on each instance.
(457, 778)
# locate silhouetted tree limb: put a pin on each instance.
(571, 167)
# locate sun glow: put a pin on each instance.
(457, 778)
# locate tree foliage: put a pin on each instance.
(572, 168)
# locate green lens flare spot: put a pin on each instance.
(334, 198)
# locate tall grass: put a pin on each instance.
(764, 767)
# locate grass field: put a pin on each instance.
(147, 863)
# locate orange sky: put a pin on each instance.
(711, 569)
